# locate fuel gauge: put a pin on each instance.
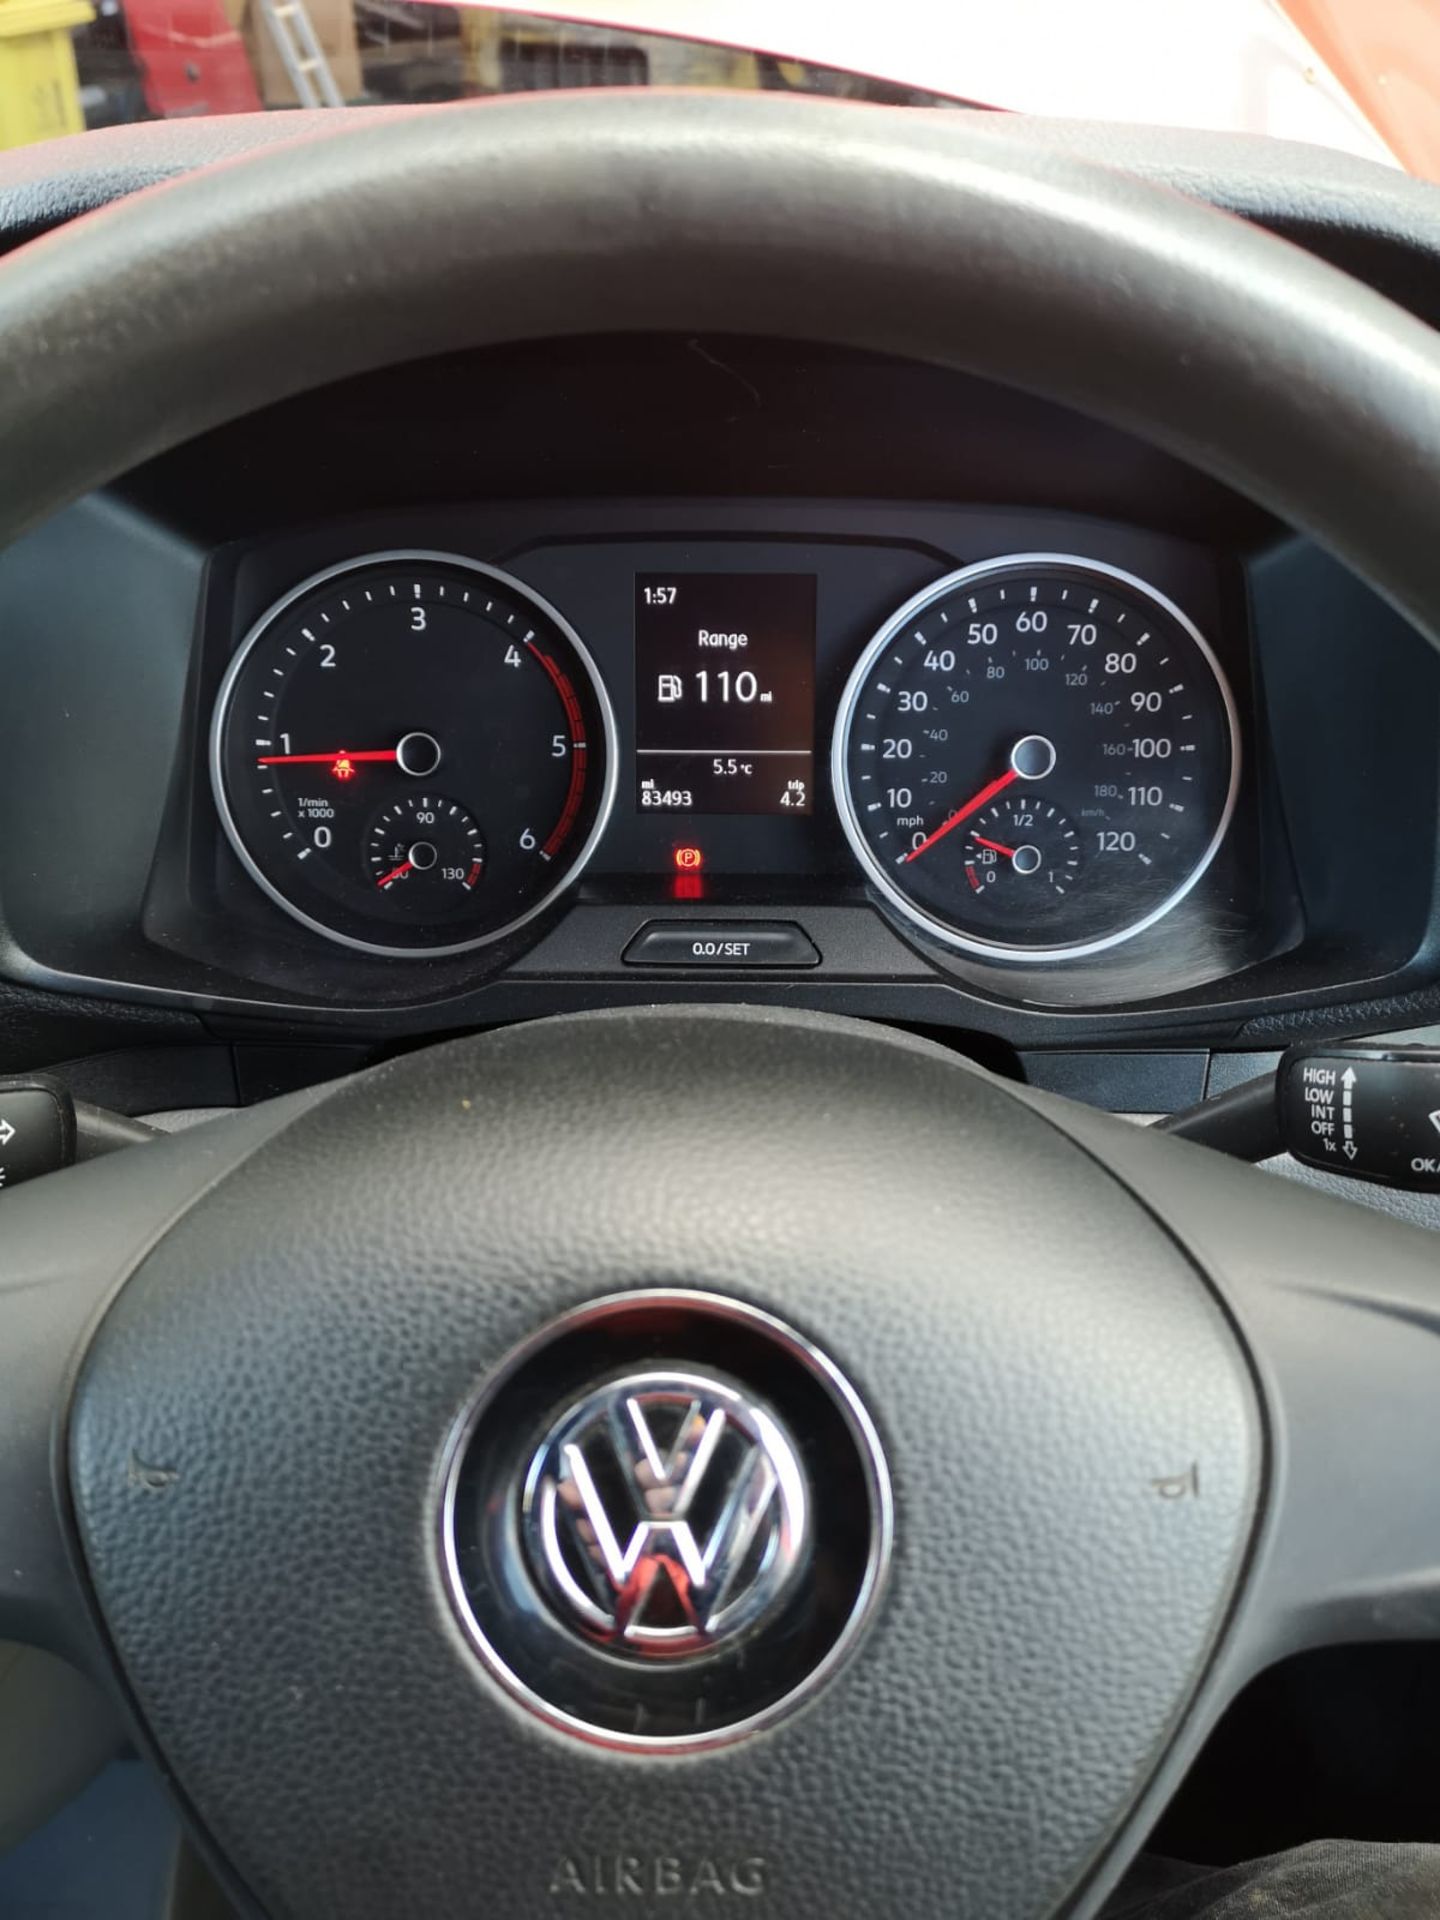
(1021, 855)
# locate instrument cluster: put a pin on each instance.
(428, 704)
(1021, 757)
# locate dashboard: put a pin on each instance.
(612, 672)
(1030, 759)
(1052, 699)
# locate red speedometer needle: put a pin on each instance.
(964, 813)
(325, 759)
(395, 873)
(993, 845)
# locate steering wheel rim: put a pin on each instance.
(920, 234)
(143, 325)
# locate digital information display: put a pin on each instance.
(725, 692)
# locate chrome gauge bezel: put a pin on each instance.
(849, 702)
(432, 556)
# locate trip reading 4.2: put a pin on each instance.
(725, 692)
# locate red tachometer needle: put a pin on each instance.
(993, 845)
(964, 813)
(395, 873)
(325, 759)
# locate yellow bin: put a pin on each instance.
(39, 86)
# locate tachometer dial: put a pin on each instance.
(1037, 757)
(413, 753)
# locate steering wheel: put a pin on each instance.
(976, 1448)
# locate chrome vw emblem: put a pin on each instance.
(664, 1513)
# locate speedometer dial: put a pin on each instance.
(1037, 757)
(413, 753)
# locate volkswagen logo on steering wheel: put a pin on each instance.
(665, 1513)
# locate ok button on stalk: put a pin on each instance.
(37, 1130)
(721, 943)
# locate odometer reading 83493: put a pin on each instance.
(1037, 757)
(412, 753)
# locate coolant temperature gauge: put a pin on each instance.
(427, 845)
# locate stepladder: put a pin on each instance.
(293, 33)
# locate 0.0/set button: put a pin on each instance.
(721, 943)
